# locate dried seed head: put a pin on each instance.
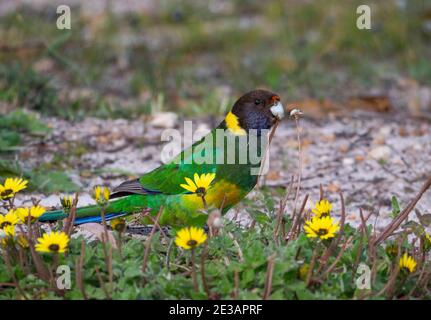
(296, 113)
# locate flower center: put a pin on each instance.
(200, 191)
(29, 218)
(192, 243)
(54, 247)
(5, 224)
(322, 232)
(6, 193)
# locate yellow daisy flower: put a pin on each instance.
(106, 194)
(392, 250)
(189, 238)
(407, 263)
(101, 195)
(118, 224)
(11, 186)
(200, 184)
(54, 242)
(97, 192)
(32, 213)
(9, 219)
(322, 228)
(66, 202)
(322, 208)
(22, 241)
(9, 230)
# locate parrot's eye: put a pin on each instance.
(257, 101)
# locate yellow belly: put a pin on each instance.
(222, 192)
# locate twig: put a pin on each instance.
(38, 262)
(269, 274)
(194, 277)
(311, 267)
(168, 255)
(271, 135)
(12, 273)
(394, 273)
(281, 210)
(79, 269)
(363, 227)
(298, 186)
(236, 284)
(403, 215)
(102, 283)
(159, 227)
(335, 242)
(148, 243)
(236, 244)
(296, 225)
(71, 218)
(203, 276)
(108, 258)
(416, 285)
(337, 259)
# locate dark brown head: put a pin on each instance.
(257, 109)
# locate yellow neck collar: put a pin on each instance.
(232, 124)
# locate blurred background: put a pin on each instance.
(126, 58)
(86, 106)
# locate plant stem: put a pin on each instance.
(194, 277)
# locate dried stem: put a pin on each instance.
(335, 242)
(403, 215)
(311, 266)
(296, 224)
(150, 237)
(269, 274)
(237, 246)
(281, 210)
(194, 277)
(203, 276)
(236, 285)
(68, 226)
(337, 259)
(168, 255)
(102, 283)
(12, 273)
(271, 135)
(79, 270)
(298, 186)
(387, 289)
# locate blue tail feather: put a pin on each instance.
(98, 219)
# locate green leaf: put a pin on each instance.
(21, 121)
(395, 207)
(52, 181)
(9, 169)
(9, 140)
(259, 216)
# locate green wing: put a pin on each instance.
(167, 178)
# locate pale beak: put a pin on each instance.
(277, 110)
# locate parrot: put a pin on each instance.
(214, 172)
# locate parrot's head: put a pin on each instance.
(257, 109)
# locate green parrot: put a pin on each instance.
(217, 171)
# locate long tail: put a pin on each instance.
(114, 209)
